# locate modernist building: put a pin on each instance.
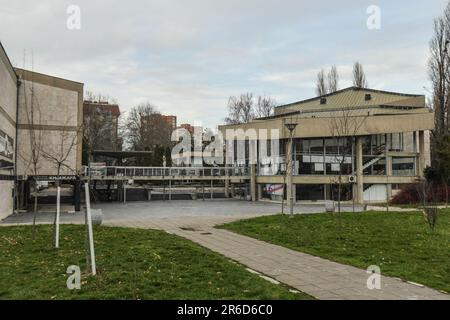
(372, 141)
(37, 112)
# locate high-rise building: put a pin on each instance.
(170, 120)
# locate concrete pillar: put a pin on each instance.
(260, 191)
(232, 191)
(388, 174)
(212, 189)
(77, 195)
(421, 164)
(359, 171)
(170, 190)
(227, 188)
(253, 181)
(125, 192)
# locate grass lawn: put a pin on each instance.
(402, 244)
(131, 263)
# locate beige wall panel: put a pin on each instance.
(51, 142)
(53, 106)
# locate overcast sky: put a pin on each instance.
(188, 56)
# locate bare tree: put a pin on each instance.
(146, 130)
(99, 97)
(265, 106)
(429, 202)
(439, 69)
(100, 129)
(333, 80)
(359, 76)
(344, 127)
(58, 154)
(321, 84)
(32, 157)
(240, 109)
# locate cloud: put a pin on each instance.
(188, 57)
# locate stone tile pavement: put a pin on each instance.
(315, 276)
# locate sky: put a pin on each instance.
(187, 57)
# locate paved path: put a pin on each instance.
(315, 276)
(195, 220)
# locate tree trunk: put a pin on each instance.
(35, 210)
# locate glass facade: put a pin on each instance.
(324, 156)
(403, 166)
(334, 156)
(319, 192)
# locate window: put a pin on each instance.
(316, 146)
(409, 142)
(6, 145)
(396, 142)
(403, 166)
(2, 144)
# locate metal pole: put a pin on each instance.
(58, 210)
(291, 209)
(91, 235)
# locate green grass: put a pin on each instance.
(131, 263)
(402, 244)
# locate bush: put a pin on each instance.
(410, 195)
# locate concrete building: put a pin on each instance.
(8, 116)
(37, 111)
(375, 141)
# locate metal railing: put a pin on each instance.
(106, 171)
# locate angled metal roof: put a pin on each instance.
(354, 97)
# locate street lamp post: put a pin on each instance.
(291, 127)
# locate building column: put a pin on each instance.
(77, 195)
(359, 172)
(227, 188)
(232, 191)
(421, 164)
(260, 191)
(388, 174)
(253, 181)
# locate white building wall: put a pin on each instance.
(6, 198)
(375, 193)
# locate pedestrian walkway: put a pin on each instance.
(315, 276)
